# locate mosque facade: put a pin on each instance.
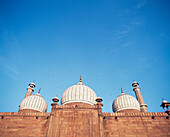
(80, 115)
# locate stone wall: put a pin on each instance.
(74, 121)
(136, 125)
(84, 121)
(23, 125)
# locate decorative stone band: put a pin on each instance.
(73, 101)
(24, 114)
(32, 109)
(141, 114)
(76, 106)
(129, 108)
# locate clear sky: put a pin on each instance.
(109, 42)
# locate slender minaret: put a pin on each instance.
(30, 89)
(136, 89)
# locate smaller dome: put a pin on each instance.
(34, 102)
(125, 102)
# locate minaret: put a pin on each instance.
(136, 89)
(30, 89)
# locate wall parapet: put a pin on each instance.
(23, 114)
(141, 114)
(76, 107)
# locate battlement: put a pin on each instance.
(24, 114)
(77, 106)
(139, 114)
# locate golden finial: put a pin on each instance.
(80, 79)
(39, 91)
(121, 90)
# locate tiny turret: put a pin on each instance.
(99, 99)
(165, 104)
(99, 104)
(54, 104)
(55, 100)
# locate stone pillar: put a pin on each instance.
(54, 104)
(30, 89)
(54, 119)
(100, 117)
(136, 89)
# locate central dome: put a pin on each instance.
(79, 93)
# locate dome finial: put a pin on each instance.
(121, 90)
(80, 79)
(39, 90)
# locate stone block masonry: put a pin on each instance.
(84, 121)
(23, 125)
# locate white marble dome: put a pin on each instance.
(34, 102)
(124, 102)
(79, 93)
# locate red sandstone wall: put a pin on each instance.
(74, 121)
(78, 123)
(23, 126)
(136, 126)
(83, 121)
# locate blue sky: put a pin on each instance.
(110, 43)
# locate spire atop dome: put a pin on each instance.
(121, 90)
(39, 90)
(80, 79)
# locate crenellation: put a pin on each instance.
(145, 114)
(23, 114)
